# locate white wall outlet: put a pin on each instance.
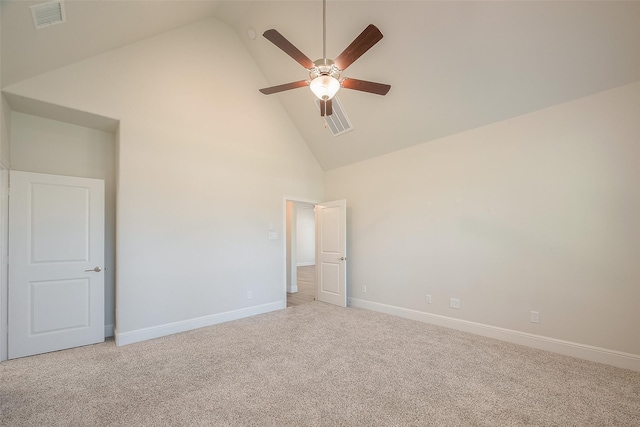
(249, 294)
(428, 299)
(454, 303)
(364, 289)
(535, 317)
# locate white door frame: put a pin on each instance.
(284, 240)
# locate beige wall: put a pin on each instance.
(204, 163)
(3, 236)
(540, 212)
(5, 131)
(305, 235)
(5, 163)
(53, 147)
(4, 126)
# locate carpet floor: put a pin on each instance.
(316, 365)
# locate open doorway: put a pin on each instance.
(300, 253)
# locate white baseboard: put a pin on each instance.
(125, 338)
(568, 348)
(292, 289)
(305, 264)
(108, 331)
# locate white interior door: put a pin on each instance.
(56, 255)
(331, 252)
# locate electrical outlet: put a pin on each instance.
(249, 294)
(454, 303)
(364, 289)
(535, 317)
(428, 299)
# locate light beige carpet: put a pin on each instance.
(316, 365)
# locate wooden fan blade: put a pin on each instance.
(286, 86)
(326, 108)
(365, 41)
(285, 45)
(365, 86)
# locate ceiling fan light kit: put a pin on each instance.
(324, 87)
(325, 81)
(324, 74)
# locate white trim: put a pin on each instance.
(144, 334)
(108, 331)
(568, 348)
(305, 264)
(292, 289)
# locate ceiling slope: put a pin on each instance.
(91, 28)
(452, 66)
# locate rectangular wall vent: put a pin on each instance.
(47, 14)
(338, 122)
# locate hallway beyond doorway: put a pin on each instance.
(306, 287)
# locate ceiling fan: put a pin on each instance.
(324, 74)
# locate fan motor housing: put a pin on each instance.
(324, 67)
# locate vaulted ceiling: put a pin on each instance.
(452, 65)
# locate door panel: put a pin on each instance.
(66, 206)
(58, 305)
(330, 277)
(331, 248)
(56, 239)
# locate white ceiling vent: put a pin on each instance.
(46, 14)
(338, 122)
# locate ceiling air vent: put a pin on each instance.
(338, 122)
(46, 14)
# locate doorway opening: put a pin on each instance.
(300, 252)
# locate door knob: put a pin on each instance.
(97, 269)
(341, 258)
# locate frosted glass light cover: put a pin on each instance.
(325, 87)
